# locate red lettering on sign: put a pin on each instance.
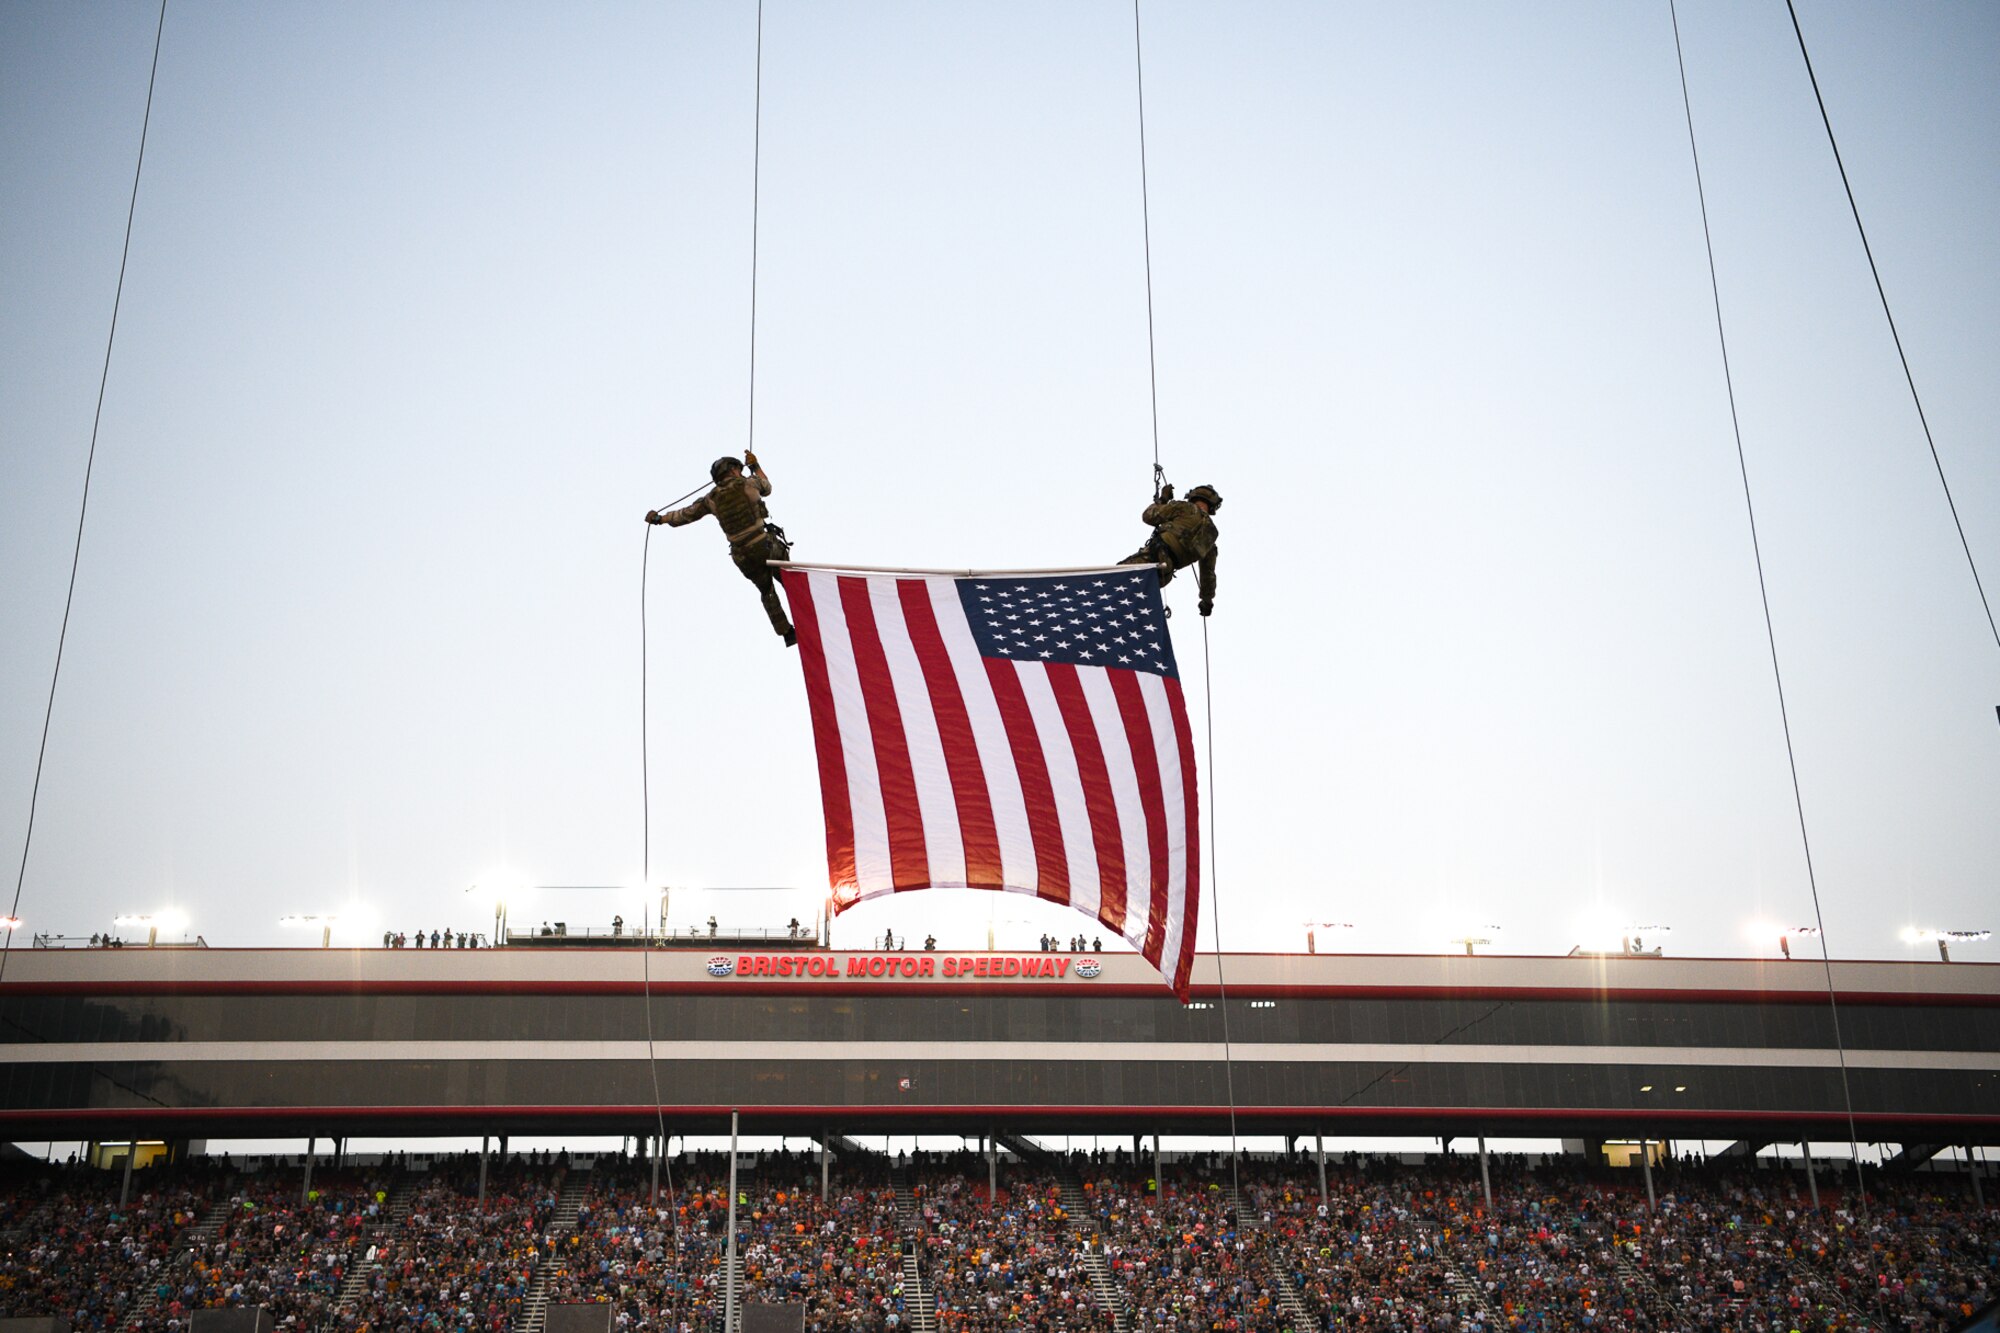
(924, 966)
(857, 967)
(1062, 967)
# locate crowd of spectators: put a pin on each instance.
(72, 1250)
(451, 1263)
(275, 1249)
(1390, 1246)
(1006, 1261)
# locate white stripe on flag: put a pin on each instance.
(989, 734)
(1160, 712)
(1117, 747)
(857, 744)
(944, 845)
(1072, 814)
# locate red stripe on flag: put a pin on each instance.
(1152, 797)
(1098, 801)
(1044, 828)
(826, 738)
(961, 752)
(1190, 910)
(909, 864)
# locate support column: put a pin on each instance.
(482, 1173)
(1972, 1169)
(1159, 1176)
(992, 1169)
(825, 1167)
(306, 1185)
(1486, 1177)
(1319, 1141)
(729, 1324)
(1646, 1160)
(125, 1185)
(1812, 1176)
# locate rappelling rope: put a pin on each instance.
(1881, 293)
(646, 844)
(83, 509)
(1159, 474)
(1146, 233)
(1770, 632)
(756, 191)
(1215, 911)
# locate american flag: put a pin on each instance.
(1023, 732)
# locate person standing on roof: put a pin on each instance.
(1183, 534)
(737, 502)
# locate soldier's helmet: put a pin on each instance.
(722, 469)
(1209, 494)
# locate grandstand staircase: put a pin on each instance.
(1077, 1205)
(919, 1302)
(569, 1203)
(1289, 1299)
(1461, 1277)
(140, 1315)
(1807, 1278)
(394, 1209)
(1645, 1292)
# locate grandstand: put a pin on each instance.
(183, 1046)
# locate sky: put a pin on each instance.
(427, 304)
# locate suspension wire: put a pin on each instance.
(83, 508)
(756, 191)
(1882, 294)
(1215, 912)
(1146, 231)
(646, 871)
(1770, 631)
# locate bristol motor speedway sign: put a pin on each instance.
(904, 967)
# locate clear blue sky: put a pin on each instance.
(428, 304)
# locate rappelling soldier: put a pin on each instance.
(1183, 535)
(737, 502)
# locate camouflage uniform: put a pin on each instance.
(1182, 536)
(737, 502)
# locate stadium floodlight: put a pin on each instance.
(10, 923)
(1473, 934)
(1944, 938)
(499, 888)
(154, 922)
(1312, 927)
(324, 920)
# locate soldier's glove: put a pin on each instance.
(654, 516)
(1166, 493)
(1206, 606)
(749, 460)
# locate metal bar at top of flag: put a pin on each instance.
(825, 568)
